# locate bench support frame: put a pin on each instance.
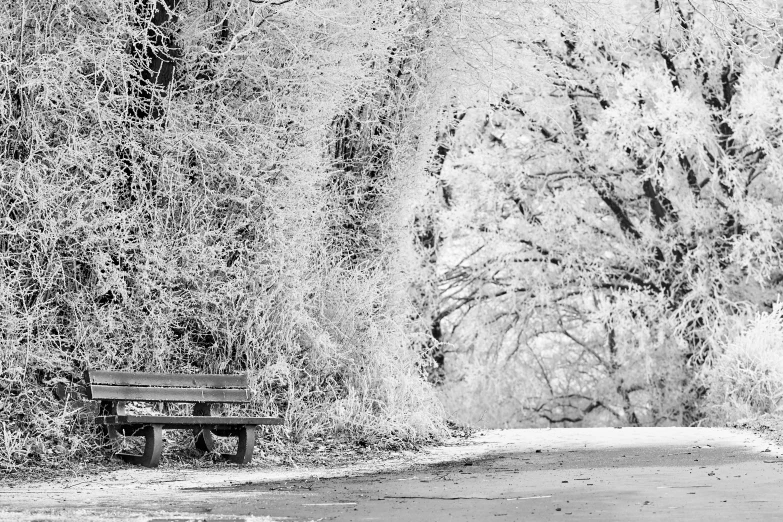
(153, 445)
(153, 435)
(246, 437)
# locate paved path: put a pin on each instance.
(587, 474)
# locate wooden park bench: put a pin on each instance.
(115, 389)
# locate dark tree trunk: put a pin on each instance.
(430, 239)
(157, 56)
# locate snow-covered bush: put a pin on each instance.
(746, 379)
(212, 186)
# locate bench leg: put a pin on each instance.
(245, 443)
(204, 440)
(153, 447)
(108, 434)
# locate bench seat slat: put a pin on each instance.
(165, 379)
(139, 393)
(185, 421)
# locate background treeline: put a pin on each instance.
(610, 221)
(214, 186)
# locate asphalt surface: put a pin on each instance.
(629, 484)
(697, 475)
(645, 484)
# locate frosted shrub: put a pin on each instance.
(747, 378)
(198, 186)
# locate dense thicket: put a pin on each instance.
(213, 186)
(611, 219)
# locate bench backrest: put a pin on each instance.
(156, 387)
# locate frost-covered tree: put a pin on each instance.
(618, 210)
